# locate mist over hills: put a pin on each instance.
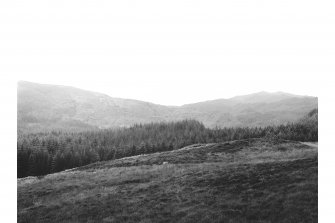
(44, 107)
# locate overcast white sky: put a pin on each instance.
(170, 52)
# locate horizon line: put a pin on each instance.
(208, 100)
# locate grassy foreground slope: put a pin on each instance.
(251, 180)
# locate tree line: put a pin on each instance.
(43, 153)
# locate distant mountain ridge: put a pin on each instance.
(44, 107)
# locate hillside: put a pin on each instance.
(48, 107)
(252, 180)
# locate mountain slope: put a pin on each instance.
(263, 96)
(48, 107)
(229, 113)
(251, 180)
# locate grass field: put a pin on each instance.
(240, 181)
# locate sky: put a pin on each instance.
(170, 52)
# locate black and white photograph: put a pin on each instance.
(167, 111)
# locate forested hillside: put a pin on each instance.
(43, 153)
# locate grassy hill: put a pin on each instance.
(49, 107)
(254, 180)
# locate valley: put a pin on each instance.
(45, 108)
